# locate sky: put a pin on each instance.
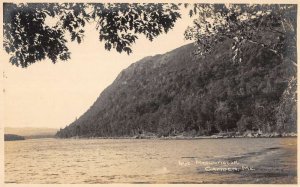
(47, 95)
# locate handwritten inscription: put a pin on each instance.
(217, 166)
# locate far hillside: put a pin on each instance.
(12, 137)
(31, 132)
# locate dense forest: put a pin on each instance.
(180, 93)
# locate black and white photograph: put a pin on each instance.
(149, 92)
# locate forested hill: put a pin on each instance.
(178, 93)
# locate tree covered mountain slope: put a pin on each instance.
(181, 93)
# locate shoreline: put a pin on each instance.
(162, 138)
(180, 137)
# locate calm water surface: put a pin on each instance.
(264, 160)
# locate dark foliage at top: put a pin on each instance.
(29, 39)
(244, 23)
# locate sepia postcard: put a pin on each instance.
(160, 93)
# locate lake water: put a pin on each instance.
(240, 160)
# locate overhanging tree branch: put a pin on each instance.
(28, 39)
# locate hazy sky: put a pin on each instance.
(53, 95)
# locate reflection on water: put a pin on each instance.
(264, 160)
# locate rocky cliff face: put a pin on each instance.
(179, 93)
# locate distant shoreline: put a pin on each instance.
(13, 137)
